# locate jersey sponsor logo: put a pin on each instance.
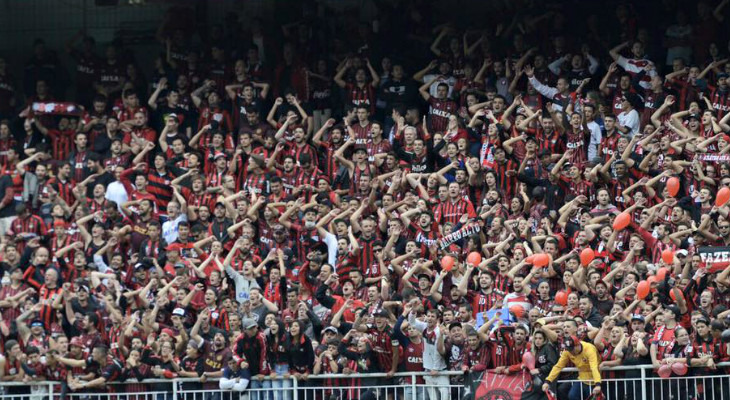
(440, 113)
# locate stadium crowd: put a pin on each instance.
(266, 202)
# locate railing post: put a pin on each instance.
(174, 389)
(50, 390)
(644, 382)
(295, 389)
(413, 387)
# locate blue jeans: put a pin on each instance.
(579, 391)
(282, 383)
(420, 393)
(260, 394)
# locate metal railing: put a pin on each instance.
(618, 383)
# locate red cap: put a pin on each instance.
(174, 247)
(218, 154)
(76, 341)
(59, 224)
(169, 332)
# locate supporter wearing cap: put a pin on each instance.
(251, 348)
(382, 338)
(585, 357)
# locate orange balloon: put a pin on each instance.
(622, 221)
(447, 263)
(673, 296)
(651, 279)
(517, 310)
(668, 256)
(661, 274)
(474, 258)
(673, 186)
(561, 298)
(541, 260)
(530, 259)
(723, 195)
(643, 289)
(586, 256)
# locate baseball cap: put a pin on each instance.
(330, 329)
(169, 332)
(694, 116)
(360, 148)
(173, 247)
(173, 115)
(381, 313)
(179, 312)
(218, 154)
(722, 75)
(35, 323)
(76, 341)
(249, 323)
(638, 317)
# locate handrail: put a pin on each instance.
(334, 376)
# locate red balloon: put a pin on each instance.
(673, 186)
(673, 296)
(679, 368)
(517, 310)
(622, 221)
(665, 371)
(643, 289)
(668, 256)
(447, 263)
(474, 258)
(586, 256)
(528, 360)
(561, 298)
(541, 260)
(530, 259)
(723, 195)
(661, 274)
(651, 279)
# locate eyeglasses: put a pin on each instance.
(724, 226)
(377, 250)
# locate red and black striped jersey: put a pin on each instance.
(476, 359)
(46, 296)
(440, 110)
(361, 96)
(450, 211)
(159, 186)
(482, 302)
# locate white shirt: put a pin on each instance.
(629, 120)
(595, 139)
(117, 193)
(432, 359)
(170, 228)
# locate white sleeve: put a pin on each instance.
(100, 264)
(421, 326)
(331, 241)
(554, 66)
(595, 141)
(592, 64)
(633, 122)
(241, 385)
(543, 89)
(226, 384)
(623, 62)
